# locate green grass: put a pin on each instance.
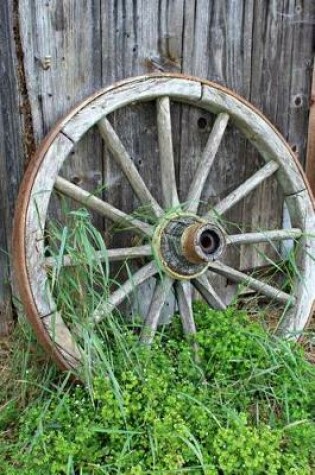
(245, 405)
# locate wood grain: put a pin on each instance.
(159, 298)
(217, 45)
(263, 50)
(117, 297)
(184, 296)
(62, 59)
(252, 283)
(166, 153)
(11, 155)
(245, 188)
(281, 58)
(310, 157)
(102, 207)
(129, 169)
(264, 236)
(207, 291)
(111, 255)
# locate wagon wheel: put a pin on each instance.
(183, 246)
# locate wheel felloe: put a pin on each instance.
(184, 246)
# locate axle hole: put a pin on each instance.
(209, 241)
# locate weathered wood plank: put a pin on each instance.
(281, 55)
(137, 38)
(217, 45)
(61, 44)
(205, 163)
(260, 49)
(300, 23)
(310, 156)
(128, 93)
(11, 155)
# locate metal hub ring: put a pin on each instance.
(185, 244)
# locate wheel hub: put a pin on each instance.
(184, 244)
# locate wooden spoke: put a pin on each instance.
(123, 291)
(184, 300)
(169, 188)
(96, 204)
(264, 236)
(258, 285)
(208, 293)
(33, 206)
(205, 164)
(111, 255)
(244, 189)
(159, 297)
(123, 159)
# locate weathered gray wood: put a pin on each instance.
(168, 178)
(184, 300)
(11, 154)
(260, 49)
(159, 298)
(138, 38)
(105, 209)
(62, 338)
(267, 140)
(304, 309)
(132, 91)
(282, 56)
(206, 290)
(252, 283)
(310, 156)
(35, 220)
(117, 297)
(128, 167)
(245, 188)
(34, 251)
(70, 36)
(217, 45)
(205, 163)
(264, 236)
(112, 255)
(61, 44)
(280, 77)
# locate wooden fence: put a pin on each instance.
(55, 52)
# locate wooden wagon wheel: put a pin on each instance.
(183, 246)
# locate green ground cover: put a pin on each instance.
(244, 404)
(234, 400)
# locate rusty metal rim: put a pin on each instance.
(19, 252)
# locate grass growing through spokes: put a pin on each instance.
(247, 406)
